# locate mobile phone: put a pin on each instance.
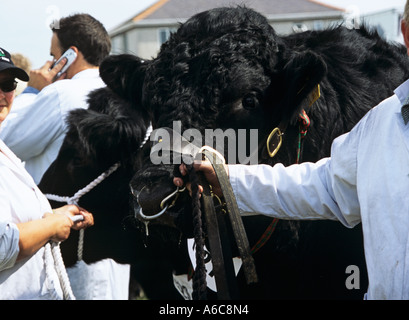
(71, 56)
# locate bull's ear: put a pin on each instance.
(122, 74)
(109, 129)
(302, 75)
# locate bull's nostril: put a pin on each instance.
(152, 202)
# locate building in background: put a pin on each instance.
(143, 34)
(387, 22)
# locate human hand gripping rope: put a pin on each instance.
(53, 250)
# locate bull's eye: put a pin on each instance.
(250, 102)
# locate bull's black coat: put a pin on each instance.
(109, 131)
(227, 68)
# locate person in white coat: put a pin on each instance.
(27, 222)
(36, 127)
(364, 181)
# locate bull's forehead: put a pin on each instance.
(205, 80)
(201, 94)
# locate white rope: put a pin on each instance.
(49, 264)
(53, 251)
(77, 196)
(61, 271)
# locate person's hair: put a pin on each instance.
(21, 61)
(86, 33)
(406, 13)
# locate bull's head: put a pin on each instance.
(224, 69)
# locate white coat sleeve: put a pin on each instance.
(9, 249)
(309, 191)
(31, 127)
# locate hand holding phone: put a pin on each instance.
(70, 55)
(49, 73)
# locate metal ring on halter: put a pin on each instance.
(154, 216)
(162, 205)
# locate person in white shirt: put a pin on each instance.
(36, 127)
(27, 221)
(365, 180)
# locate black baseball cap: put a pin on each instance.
(7, 64)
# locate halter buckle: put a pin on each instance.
(275, 133)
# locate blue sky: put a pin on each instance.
(25, 22)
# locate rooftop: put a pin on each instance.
(181, 10)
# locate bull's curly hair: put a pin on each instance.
(203, 77)
(110, 129)
(203, 50)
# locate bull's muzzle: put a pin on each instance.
(151, 203)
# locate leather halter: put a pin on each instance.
(218, 241)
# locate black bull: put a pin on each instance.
(226, 68)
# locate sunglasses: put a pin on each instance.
(8, 86)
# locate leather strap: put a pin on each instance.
(235, 218)
(222, 259)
